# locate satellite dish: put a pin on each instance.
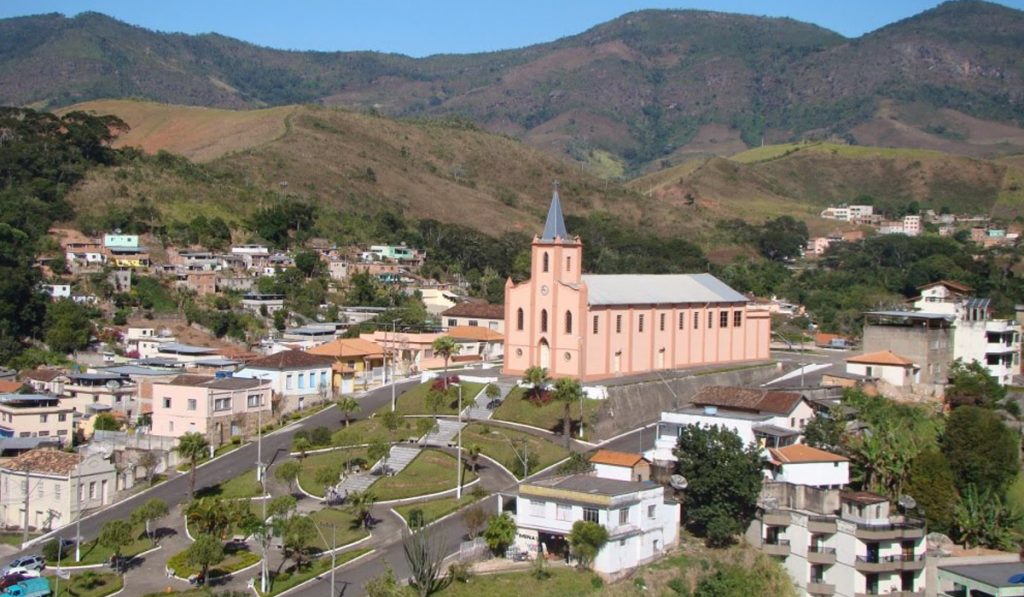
(907, 502)
(678, 482)
(112, 385)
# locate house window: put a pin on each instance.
(661, 322)
(56, 491)
(595, 324)
(452, 323)
(568, 263)
(590, 514)
(711, 320)
(323, 379)
(288, 382)
(696, 320)
(563, 513)
(737, 319)
(191, 403)
(640, 323)
(545, 262)
(652, 511)
(254, 400)
(568, 322)
(624, 516)
(167, 403)
(44, 433)
(723, 319)
(473, 323)
(519, 319)
(61, 417)
(302, 381)
(618, 324)
(42, 418)
(92, 490)
(682, 321)
(536, 508)
(222, 404)
(543, 320)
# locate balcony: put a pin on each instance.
(776, 518)
(777, 548)
(889, 563)
(820, 588)
(821, 555)
(911, 528)
(822, 525)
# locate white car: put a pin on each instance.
(20, 565)
(25, 572)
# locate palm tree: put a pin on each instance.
(300, 445)
(473, 452)
(348, 405)
(567, 391)
(209, 515)
(192, 446)
(446, 347)
(359, 504)
(538, 378)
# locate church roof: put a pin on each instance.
(554, 226)
(653, 289)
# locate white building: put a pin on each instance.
(887, 366)
(805, 465)
(850, 213)
(624, 466)
(912, 225)
(766, 418)
(298, 377)
(641, 522)
(58, 291)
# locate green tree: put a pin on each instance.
(500, 532)
(209, 516)
(287, 472)
(348, 405)
(106, 422)
(825, 432)
(435, 401)
(586, 541)
(537, 378)
(446, 347)
(492, 392)
(115, 536)
(327, 476)
(67, 326)
(359, 504)
(192, 446)
(301, 445)
(309, 263)
(724, 481)
(392, 421)
(204, 552)
(981, 450)
(379, 450)
(568, 392)
(984, 518)
(764, 577)
(473, 452)
(298, 534)
(577, 464)
(971, 384)
(386, 585)
(932, 485)
(149, 461)
(152, 510)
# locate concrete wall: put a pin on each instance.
(930, 349)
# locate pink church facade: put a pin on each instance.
(595, 327)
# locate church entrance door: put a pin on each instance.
(545, 355)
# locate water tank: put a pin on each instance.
(223, 374)
(710, 410)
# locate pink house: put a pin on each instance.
(217, 407)
(600, 326)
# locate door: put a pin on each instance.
(545, 355)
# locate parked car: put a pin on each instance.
(32, 587)
(493, 404)
(24, 563)
(11, 579)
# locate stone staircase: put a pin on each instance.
(446, 431)
(478, 409)
(398, 459)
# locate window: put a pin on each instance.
(568, 263)
(590, 514)
(563, 512)
(536, 508)
(595, 324)
(302, 381)
(682, 321)
(222, 404)
(711, 320)
(56, 490)
(624, 516)
(618, 324)
(519, 319)
(254, 400)
(652, 511)
(452, 323)
(473, 323)
(61, 417)
(568, 322)
(737, 319)
(696, 320)
(191, 403)
(661, 322)
(42, 418)
(323, 379)
(723, 319)
(167, 403)
(92, 490)
(44, 433)
(640, 322)
(545, 260)
(543, 320)
(288, 382)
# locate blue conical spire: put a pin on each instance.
(554, 226)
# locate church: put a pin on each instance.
(594, 327)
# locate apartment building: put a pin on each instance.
(297, 377)
(108, 391)
(218, 407)
(36, 415)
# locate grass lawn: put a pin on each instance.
(348, 530)
(287, 579)
(563, 581)
(228, 447)
(89, 584)
(518, 409)
(334, 458)
(233, 562)
(430, 472)
(414, 401)
(435, 509)
(14, 539)
(367, 431)
(493, 443)
(242, 486)
(94, 553)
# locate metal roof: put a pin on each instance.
(97, 376)
(215, 362)
(140, 371)
(554, 226)
(912, 315)
(10, 398)
(176, 347)
(654, 289)
(977, 303)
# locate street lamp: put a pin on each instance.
(458, 452)
(334, 546)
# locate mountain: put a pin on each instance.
(642, 91)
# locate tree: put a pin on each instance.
(577, 464)
(980, 449)
(287, 472)
(67, 326)
(492, 392)
(425, 552)
(149, 461)
(568, 392)
(446, 347)
(192, 446)
(298, 533)
(500, 532)
(209, 516)
(379, 450)
(971, 384)
(115, 536)
(386, 585)
(724, 481)
(586, 540)
(764, 577)
(359, 504)
(281, 506)
(392, 421)
(301, 445)
(537, 377)
(348, 405)
(309, 263)
(436, 400)
(475, 518)
(204, 552)
(984, 518)
(932, 486)
(825, 432)
(106, 422)
(154, 509)
(327, 475)
(473, 453)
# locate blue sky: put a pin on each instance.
(422, 27)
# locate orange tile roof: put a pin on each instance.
(348, 348)
(44, 460)
(474, 332)
(615, 458)
(9, 386)
(948, 284)
(799, 453)
(882, 357)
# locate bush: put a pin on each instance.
(415, 518)
(236, 439)
(459, 572)
(596, 582)
(321, 436)
(439, 382)
(678, 587)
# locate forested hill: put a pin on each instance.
(627, 94)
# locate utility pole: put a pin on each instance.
(334, 547)
(391, 347)
(28, 492)
(458, 458)
(78, 514)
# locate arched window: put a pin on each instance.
(568, 263)
(543, 320)
(519, 320)
(568, 322)
(545, 262)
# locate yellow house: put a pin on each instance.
(355, 360)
